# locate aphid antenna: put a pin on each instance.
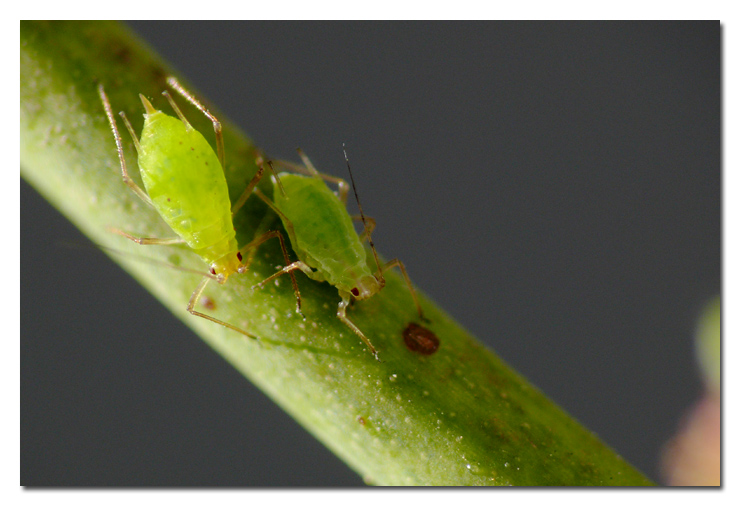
(307, 162)
(379, 275)
(149, 260)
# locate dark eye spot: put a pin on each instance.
(355, 292)
(239, 256)
(213, 271)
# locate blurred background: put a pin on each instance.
(554, 186)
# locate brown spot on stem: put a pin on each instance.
(420, 339)
(208, 303)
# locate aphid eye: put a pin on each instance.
(213, 271)
(355, 292)
(239, 256)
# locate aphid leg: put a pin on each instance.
(288, 224)
(196, 297)
(119, 146)
(397, 263)
(291, 233)
(288, 269)
(342, 315)
(342, 185)
(154, 261)
(252, 184)
(175, 84)
(265, 237)
(341, 309)
(311, 169)
(247, 191)
(147, 240)
(277, 179)
(369, 226)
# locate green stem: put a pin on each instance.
(458, 416)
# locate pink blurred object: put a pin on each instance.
(692, 457)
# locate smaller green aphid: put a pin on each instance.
(324, 238)
(185, 183)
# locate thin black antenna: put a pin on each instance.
(362, 216)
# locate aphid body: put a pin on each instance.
(184, 179)
(185, 183)
(324, 238)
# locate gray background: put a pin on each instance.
(554, 186)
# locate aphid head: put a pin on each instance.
(366, 287)
(226, 265)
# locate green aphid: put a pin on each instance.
(185, 183)
(324, 238)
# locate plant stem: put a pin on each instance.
(458, 416)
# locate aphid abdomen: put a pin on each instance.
(186, 184)
(325, 237)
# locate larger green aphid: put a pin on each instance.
(185, 183)
(323, 236)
